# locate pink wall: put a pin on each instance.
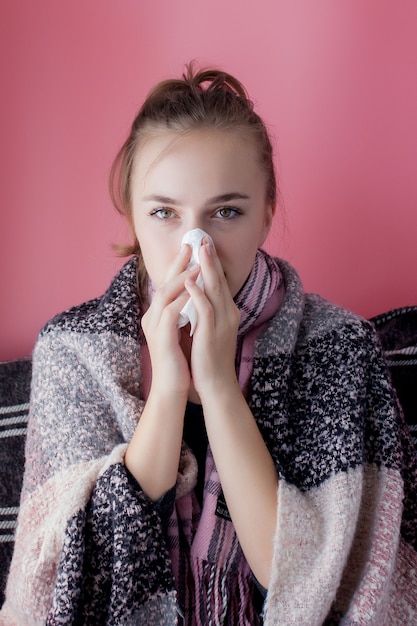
(336, 81)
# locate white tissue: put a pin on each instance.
(188, 313)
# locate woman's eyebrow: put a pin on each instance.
(224, 197)
(161, 199)
(227, 197)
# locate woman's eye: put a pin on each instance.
(227, 212)
(164, 213)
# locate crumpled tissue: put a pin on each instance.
(193, 238)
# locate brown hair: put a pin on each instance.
(206, 98)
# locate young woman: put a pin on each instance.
(254, 471)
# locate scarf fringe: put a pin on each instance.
(223, 596)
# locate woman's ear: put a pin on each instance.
(269, 216)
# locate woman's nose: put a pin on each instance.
(196, 224)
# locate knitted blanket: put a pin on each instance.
(91, 547)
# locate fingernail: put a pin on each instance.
(209, 247)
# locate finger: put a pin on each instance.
(202, 304)
(215, 283)
(219, 312)
(159, 316)
(216, 289)
(179, 263)
(170, 291)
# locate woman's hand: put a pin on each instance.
(154, 451)
(214, 340)
(170, 370)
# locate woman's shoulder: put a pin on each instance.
(322, 317)
(117, 310)
(306, 318)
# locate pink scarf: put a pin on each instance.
(214, 582)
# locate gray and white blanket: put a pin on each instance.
(90, 546)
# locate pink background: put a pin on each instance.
(335, 81)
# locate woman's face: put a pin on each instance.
(206, 179)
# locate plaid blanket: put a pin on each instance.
(90, 546)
